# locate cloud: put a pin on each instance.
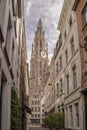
(49, 12)
(28, 8)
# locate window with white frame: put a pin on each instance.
(65, 34)
(3, 84)
(56, 68)
(35, 115)
(42, 115)
(66, 117)
(32, 108)
(35, 109)
(32, 102)
(66, 55)
(57, 91)
(60, 62)
(67, 83)
(70, 21)
(84, 14)
(8, 34)
(35, 102)
(38, 109)
(71, 116)
(77, 114)
(74, 77)
(72, 45)
(12, 53)
(32, 115)
(61, 86)
(38, 115)
(38, 102)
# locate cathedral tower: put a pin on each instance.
(38, 71)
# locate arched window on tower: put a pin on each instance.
(40, 44)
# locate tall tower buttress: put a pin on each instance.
(39, 59)
(38, 69)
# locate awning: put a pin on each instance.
(27, 109)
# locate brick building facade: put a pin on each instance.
(80, 7)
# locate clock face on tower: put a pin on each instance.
(43, 54)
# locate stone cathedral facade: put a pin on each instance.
(38, 72)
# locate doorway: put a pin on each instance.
(3, 83)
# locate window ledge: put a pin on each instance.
(71, 93)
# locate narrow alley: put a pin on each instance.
(43, 64)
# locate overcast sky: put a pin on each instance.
(49, 12)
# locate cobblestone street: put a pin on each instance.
(38, 128)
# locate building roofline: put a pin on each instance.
(75, 4)
(63, 14)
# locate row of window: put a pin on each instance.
(35, 96)
(9, 31)
(59, 88)
(36, 109)
(59, 64)
(37, 115)
(74, 80)
(72, 115)
(72, 50)
(10, 48)
(35, 102)
(69, 24)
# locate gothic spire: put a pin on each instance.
(39, 26)
(40, 22)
